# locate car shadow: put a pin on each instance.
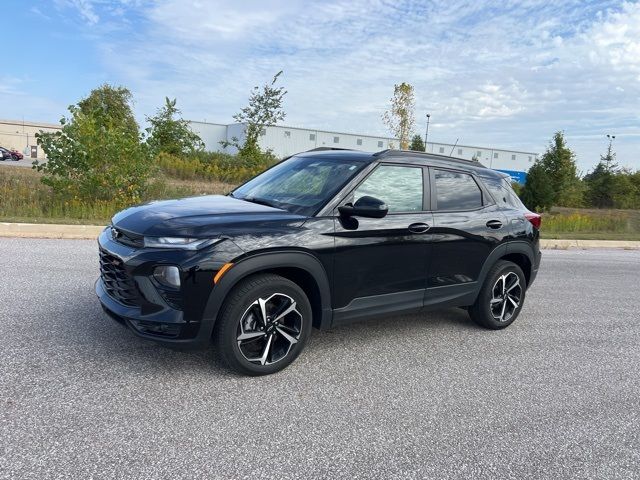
(99, 337)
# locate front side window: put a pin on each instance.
(300, 184)
(399, 187)
(457, 191)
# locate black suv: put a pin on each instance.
(322, 238)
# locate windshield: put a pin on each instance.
(300, 185)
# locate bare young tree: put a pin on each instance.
(264, 110)
(400, 118)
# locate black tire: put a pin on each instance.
(242, 307)
(487, 311)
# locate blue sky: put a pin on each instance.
(505, 74)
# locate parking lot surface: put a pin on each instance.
(25, 162)
(555, 395)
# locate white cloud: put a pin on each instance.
(507, 74)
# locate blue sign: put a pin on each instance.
(518, 177)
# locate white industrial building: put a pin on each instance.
(285, 141)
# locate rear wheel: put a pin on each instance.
(501, 297)
(264, 325)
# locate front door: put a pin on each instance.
(380, 264)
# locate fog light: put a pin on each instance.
(168, 276)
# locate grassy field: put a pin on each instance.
(23, 198)
(591, 224)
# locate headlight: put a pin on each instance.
(181, 243)
(169, 276)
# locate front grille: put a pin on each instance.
(117, 282)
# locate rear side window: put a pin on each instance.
(399, 187)
(457, 191)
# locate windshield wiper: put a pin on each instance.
(260, 201)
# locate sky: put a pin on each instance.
(502, 74)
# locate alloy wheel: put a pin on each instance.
(268, 329)
(506, 296)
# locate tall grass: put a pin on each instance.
(24, 198)
(214, 166)
(585, 223)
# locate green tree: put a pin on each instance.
(559, 163)
(169, 133)
(111, 107)
(400, 118)
(417, 144)
(557, 167)
(602, 182)
(264, 110)
(98, 154)
(537, 193)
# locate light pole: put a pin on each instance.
(426, 133)
(609, 155)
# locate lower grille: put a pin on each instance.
(117, 282)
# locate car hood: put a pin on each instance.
(205, 216)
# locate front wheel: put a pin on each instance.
(501, 296)
(264, 325)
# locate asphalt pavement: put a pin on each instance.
(25, 162)
(555, 395)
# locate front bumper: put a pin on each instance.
(151, 315)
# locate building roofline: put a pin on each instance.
(304, 128)
(30, 124)
(459, 145)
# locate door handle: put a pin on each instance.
(495, 224)
(418, 227)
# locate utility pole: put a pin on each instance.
(426, 134)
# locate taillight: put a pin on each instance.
(534, 218)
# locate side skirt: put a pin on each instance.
(378, 305)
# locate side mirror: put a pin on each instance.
(366, 206)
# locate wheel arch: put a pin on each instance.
(302, 268)
(520, 253)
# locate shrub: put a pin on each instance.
(98, 154)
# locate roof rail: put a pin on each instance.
(320, 149)
(389, 152)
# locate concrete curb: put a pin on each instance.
(562, 244)
(90, 232)
(46, 230)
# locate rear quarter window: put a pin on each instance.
(503, 193)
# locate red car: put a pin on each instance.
(7, 154)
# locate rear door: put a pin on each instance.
(380, 263)
(467, 226)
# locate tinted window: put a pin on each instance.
(299, 184)
(399, 187)
(503, 193)
(457, 191)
